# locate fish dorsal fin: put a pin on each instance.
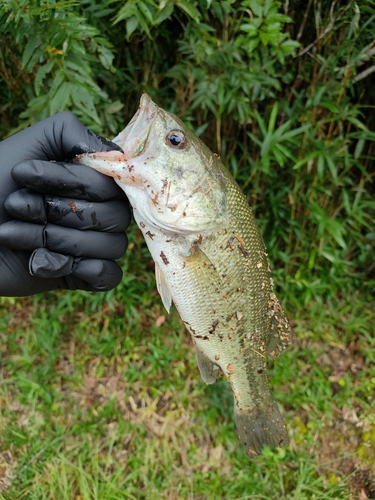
(163, 288)
(280, 331)
(209, 371)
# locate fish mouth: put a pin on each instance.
(133, 138)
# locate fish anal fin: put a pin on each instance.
(280, 330)
(163, 288)
(210, 372)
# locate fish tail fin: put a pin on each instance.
(262, 426)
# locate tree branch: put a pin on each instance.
(364, 74)
(326, 30)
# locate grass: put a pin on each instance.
(100, 398)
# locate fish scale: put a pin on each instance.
(234, 287)
(210, 260)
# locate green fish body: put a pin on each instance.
(210, 260)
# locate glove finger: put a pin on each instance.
(16, 280)
(26, 205)
(90, 244)
(109, 216)
(95, 274)
(67, 180)
(85, 274)
(29, 206)
(66, 129)
(46, 264)
(60, 137)
(23, 236)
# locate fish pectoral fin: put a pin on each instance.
(210, 372)
(163, 288)
(202, 272)
(280, 334)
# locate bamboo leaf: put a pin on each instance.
(273, 117)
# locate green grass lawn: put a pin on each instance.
(100, 398)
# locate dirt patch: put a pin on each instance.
(7, 470)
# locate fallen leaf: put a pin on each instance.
(159, 321)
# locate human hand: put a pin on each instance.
(61, 224)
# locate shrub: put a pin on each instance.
(281, 91)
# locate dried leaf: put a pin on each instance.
(160, 321)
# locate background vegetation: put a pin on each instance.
(100, 397)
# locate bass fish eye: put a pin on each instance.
(176, 139)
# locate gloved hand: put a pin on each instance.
(61, 224)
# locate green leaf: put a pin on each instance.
(337, 231)
(306, 159)
(128, 10)
(268, 5)
(261, 123)
(289, 134)
(290, 46)
(359, 148)
(143, 23)
(60, 99)
(287, 152)
(280, 158)
(273, 117)
(143, 7)
(60, 76)
(106, 57)
(114, 107)
(199, 130)
(250, 28)
(189, 9)
(256, 7)
(41, 74)
(320, 166)
(329, 105)
(84, 100)
(332, 166)
(163, 14)
(357, 123)
(30, 48)
(255, 139)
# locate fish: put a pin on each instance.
(210, 261)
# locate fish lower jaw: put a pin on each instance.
(111, 163)
(168, 227)
(104, 156)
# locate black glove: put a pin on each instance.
(61, 224)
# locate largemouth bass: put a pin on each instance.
(210, 260)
